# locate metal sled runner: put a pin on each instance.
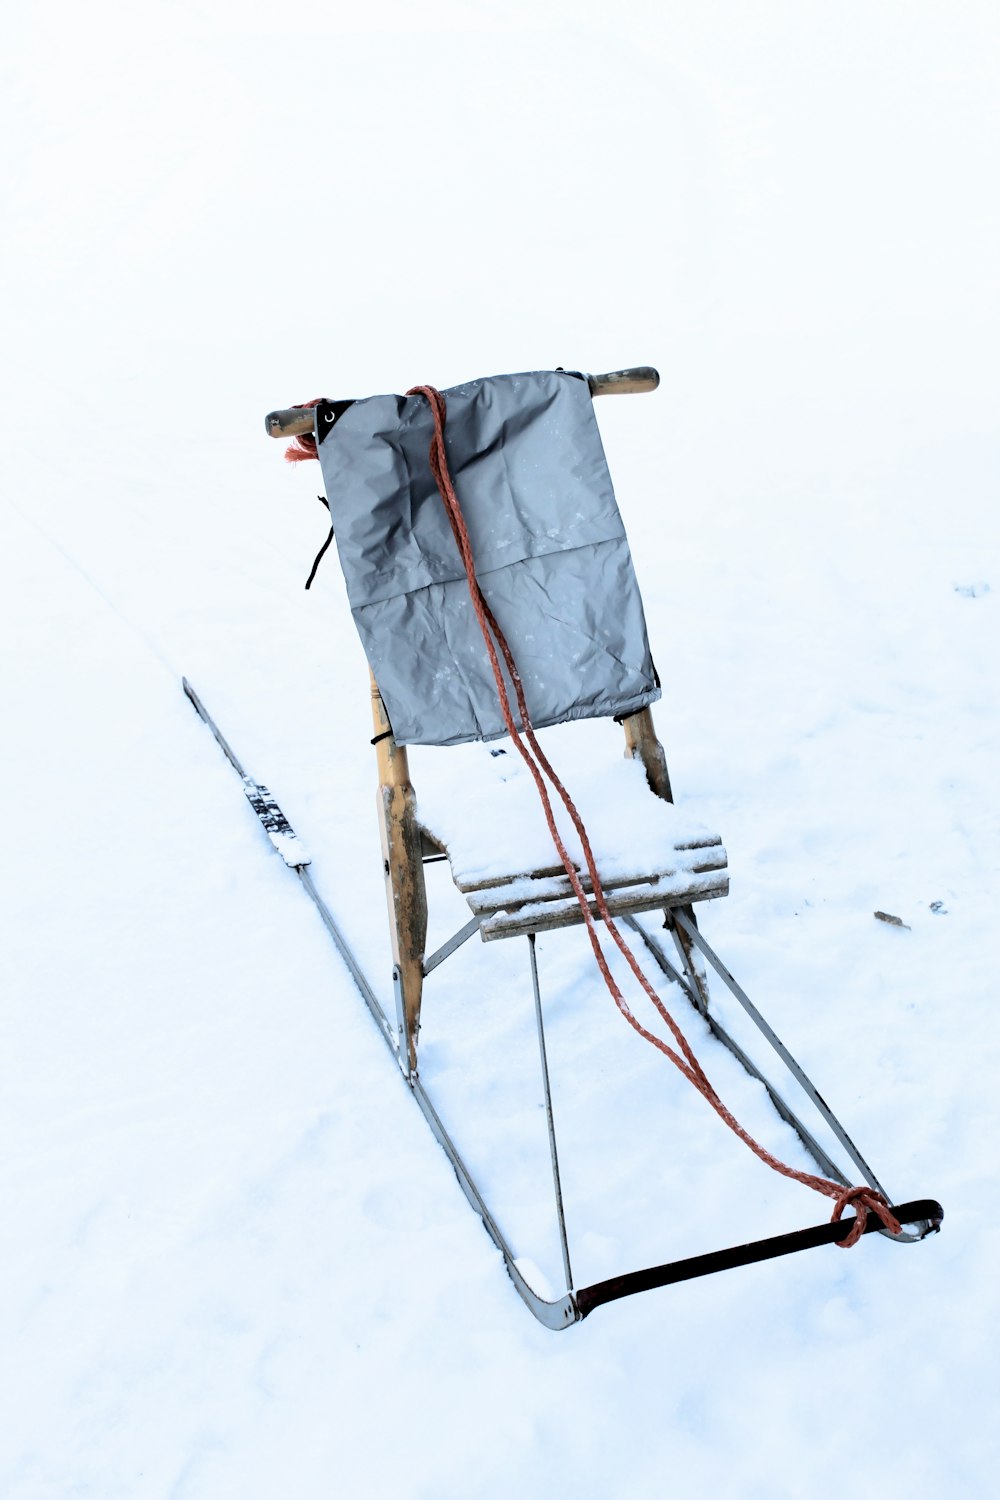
(412, 590)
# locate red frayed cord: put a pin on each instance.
(865, 1199)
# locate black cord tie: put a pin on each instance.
(322, 551)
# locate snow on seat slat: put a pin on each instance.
(679, 867)
(653, 895)
(649, 854)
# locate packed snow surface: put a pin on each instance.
(233, 1262)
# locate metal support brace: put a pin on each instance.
(821, 1157)
(797, 1072)
(447, 949)
(801, 1078)
(553, 1151)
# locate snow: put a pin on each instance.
(486, 810)
(234, 1262)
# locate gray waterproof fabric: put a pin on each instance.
(551, 555)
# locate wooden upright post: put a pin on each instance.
(642, 744)
(404, 875)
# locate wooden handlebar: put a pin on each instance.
(624, 382)
(292, 422)
(295, 420)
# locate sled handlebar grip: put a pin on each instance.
(624, 382)
(293, 421)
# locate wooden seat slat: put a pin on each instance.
(542, 916)
(649, 853)
(516, 891)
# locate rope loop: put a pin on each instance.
(866, 1200)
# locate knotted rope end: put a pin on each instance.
(866, 1200)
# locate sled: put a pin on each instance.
(510, 897)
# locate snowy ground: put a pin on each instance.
(233, 1263)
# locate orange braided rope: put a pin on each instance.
(864, 1198)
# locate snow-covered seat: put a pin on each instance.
(649, 854)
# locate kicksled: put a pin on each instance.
(490, 580)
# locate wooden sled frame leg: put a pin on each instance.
(642, 744)
(402, 863)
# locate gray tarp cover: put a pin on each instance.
(551, 555)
